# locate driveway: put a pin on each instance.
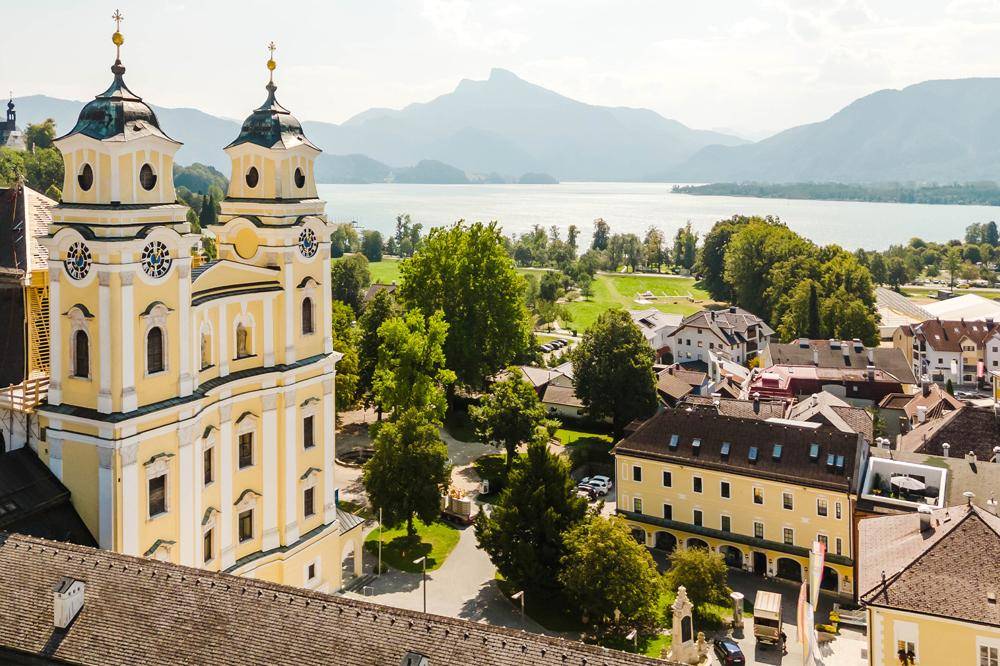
(463, 587)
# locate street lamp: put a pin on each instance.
(378, 572)
(423, 561)
(519, 597)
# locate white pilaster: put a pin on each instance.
(268, 324)
(55, 455)
(198, 489)
(55, 335)
(184, 306)
(104, 341)
(272, 536)
(130, 498)
(289, 295)
(225, 475)
(185, 504)
(291, 469)
(329, 449)
(326, 299)
(222, 332)
(106, 498)
(129, 398)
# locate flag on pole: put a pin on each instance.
(817, 560)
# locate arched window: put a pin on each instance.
(154, 350)
(307, 316)
(206, 350)
(242, 341)
(81, 352)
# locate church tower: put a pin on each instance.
(191, 407)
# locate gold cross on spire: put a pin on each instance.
(270, 61)
(117, 38)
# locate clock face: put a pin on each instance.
(307, 243)
(155, 259)
(77, 261)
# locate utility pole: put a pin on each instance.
(378, 572)
(423, 561)
(519, 597)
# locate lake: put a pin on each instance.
(633, 207)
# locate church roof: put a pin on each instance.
(272, 126)
(117, 114)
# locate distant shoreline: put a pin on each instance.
(960, 194)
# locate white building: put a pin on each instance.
(656, 327)
(733, 333)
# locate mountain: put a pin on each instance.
(943, 131)
(509, 126)
(203, 135)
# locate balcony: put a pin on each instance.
(880, 488)
(26, 396)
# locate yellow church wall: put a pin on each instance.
(162, 385)
(937, 640)
(103, 188)
(79, 474)
(289, 567)
(125, 176)
(166, 525)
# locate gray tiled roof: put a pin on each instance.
(144, 611)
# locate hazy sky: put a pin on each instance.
(754, 66)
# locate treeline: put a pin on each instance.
(802, 289)
(985, 193)
(973, 259)
(40, 165)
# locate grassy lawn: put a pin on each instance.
(583, 447)
(927, 293)
(436, 541)
(620, 291)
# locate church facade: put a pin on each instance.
(191, 404)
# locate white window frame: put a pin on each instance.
(247, 423)
(634, 469)
(727, 484)
(159, 465)
(247, 502)
(990, 644)
(78, 322)
(317, 579)
(762, 529)
(155, 318)
(753, 496)
(783, 540)
(826, 505)
(790, 497)
(246, 320)
(907, 632)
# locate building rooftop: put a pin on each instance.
(966, 306)
(138, 610)
(948, 569)
(745, 409)
(969, 429)
(826, 408)
(272, 126)
(840, 357)
(800, 454)
(947, 335)
(730, 325)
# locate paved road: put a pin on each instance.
(463, 587)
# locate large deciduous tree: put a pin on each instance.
(605, 570)
(378, 311)
(523, 534)
(703, 574)
(346, 337)
(613, 369)
(411, 370)
(371, 245)
(509, 415)
(350, 278)
(465, 272)
(408, 471)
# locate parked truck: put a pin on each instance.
(767, 618)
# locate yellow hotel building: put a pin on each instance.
(929, 582)
(191, 405)
(759, 492)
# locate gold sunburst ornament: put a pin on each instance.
(117, 39)
(270, 61)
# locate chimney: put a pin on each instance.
(925, 385)
(945, 449)
(871, 356)
(925, 517)
(732, 309)
(921, 413)
(871, 372)
(969, 496)
(67, 600)
(970, 457)
(804, 343)
(756, 399)
(716, 398)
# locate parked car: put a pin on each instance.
(602, 483)
(587, 491)
(728, 652)
(559, 344)
(547, 347)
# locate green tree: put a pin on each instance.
(572, 234)
(990, 234)
(602, 232)
(685, 247)
(896, 273)
(953, 262)
(614, 370)
(209, 214)
(750, 255)
(350, 278)
(411, 370)
(711, 264)
(200, 178)
(40, 135)
(11, 165)
(523, 534)
(371, 245)
(378, 311)
(949, 387)
(550, 286)
(813, 321)
(703, 574)
(343, 240)
(509, 415)
(346, 337)
(846, 317)
(465, 272)
(652, 249)
(43, 168)
(878, 269)
(605, 570)
(408, 471)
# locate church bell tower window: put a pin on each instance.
(85, 178)
(147, 178)
(252, 177)
(300, 178)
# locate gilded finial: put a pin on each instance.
(117, 39)
(270, 61)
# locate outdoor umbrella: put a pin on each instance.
(908, 483)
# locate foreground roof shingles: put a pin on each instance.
(949, 570)
(143, 611)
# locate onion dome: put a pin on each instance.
(117, 114)
(272, 125)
